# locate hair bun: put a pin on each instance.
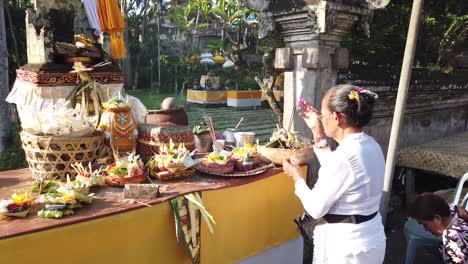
(355, 103)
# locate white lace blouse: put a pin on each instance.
(350, 180)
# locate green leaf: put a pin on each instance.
(238, 14)
(219, 12)
(202, 25)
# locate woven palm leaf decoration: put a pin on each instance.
(188, 210)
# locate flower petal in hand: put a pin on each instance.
(292, 169)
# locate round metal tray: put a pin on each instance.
(256, 171)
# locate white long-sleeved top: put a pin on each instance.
(350, 180)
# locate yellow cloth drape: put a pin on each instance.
(244, 94)
(250, 219)
(206, 96)
(112, 21)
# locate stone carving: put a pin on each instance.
(40, 47)
(266, 25)
(54, 79)
(258, 5)
(52, 21)
(302, 20)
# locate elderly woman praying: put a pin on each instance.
(350, 180)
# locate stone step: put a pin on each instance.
(261, 121)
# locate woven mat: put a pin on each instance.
(448, 194)
(446, 156)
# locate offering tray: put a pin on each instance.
(256, 171)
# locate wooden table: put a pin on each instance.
(252, 214)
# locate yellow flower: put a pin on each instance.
(353, 95)
(213, 157)
(21, 199)
(67, 197)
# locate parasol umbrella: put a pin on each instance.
(219, 59)
(207, 55)
(207, 61)
(194, 59)
(228, 64)
(112, 21)
(251, 18)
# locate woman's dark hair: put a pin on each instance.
(428, 205)
(358, 112)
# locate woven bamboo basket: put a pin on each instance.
(167, 176)
(51, 157)
(277, 155)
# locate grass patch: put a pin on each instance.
(13, 157)
(152, 100)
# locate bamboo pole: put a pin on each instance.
(400, 105)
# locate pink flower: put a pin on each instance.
(302, 101)
(359, 89)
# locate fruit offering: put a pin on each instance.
(17, 205)
(249, 151)
(61, 199)
(170, 159)
(124, 170)
(222, 162)
(247, 163)
(129, 166)
(88, 177)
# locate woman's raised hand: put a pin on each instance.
(310, 115)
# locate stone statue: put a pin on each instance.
(208, 85)
(53, 21)
(196, 85)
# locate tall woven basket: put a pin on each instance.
(51, 157)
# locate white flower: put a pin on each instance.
(3, 205)
(60, 119)
(79, 67)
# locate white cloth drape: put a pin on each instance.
(30, 97)
(91, 12)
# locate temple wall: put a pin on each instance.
(437, 103)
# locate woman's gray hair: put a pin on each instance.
(357, 110)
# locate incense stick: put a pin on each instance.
(238, 124)
(292, 118)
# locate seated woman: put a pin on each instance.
(448, 221)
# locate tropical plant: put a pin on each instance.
(453, 42)
(5, 124)
(239, 42)
(441, 37)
